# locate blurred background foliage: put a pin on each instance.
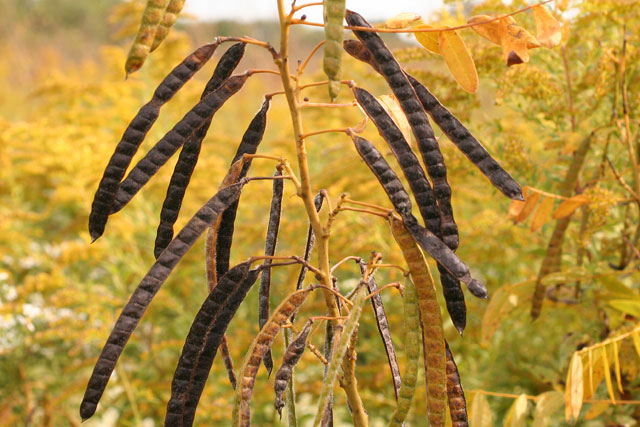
(65, 104)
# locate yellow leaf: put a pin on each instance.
(516, 31)
(596, 410)
(429, 40)
(529, 205)
(574, 389)
(401, 20)
(547, 404)
(628, 306)
(548, 29)
(459, 60)
(493, 31)
(480, 412)
(543, 214)
(517, 413)
(616, 364)
(567, 207)
(607, 373)
(390, 103)
(636, 341)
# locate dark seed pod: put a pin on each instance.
(427, 143)
(190, 153)
(174, 139)
(135, 133)
(421, 191)
(228, 362)
(269, 250)
(327, 417)
(249, 145)
(146, 290)
(402, 204)
(311, 239)
(451, 126)
(291, 356)
(202, 342)
(455, 393)
(383, 329)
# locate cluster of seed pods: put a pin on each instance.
(229, 286)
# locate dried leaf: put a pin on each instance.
(530, 203)
(548, 403)
(517, 414)
(401, 20)
(516, 206)
(543, 214)
(480, 412)
(574, 389)
(548, 30)
(459, 60)
(492, 31)
(390, 103)
(429, 40)
(567, 207)
(616, 364)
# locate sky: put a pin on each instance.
(250, 10)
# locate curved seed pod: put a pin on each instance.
(292, 354)
(262, 342)
(170, 17)
(146, 290)
(421, 191)
(269, 250)
(455, 393)
(427, 143)
(224, 230)
(174, 139)
(466, 142)
(340, 349)
(228, 362)
(412, 350)
(408, 161)
(190, 153)
(383, 329)
(451, 126)
(203, 340)
(311, 239)
(334, 11)
(432, 330)
(135, 133)
(151, 18)
(402, 204)
(327, 417)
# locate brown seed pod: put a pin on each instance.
(202, 342)
(269, 250)
(308, 247)
(455, 393)
(151, 18)
(190, 153)
(292, 354)
(432, 330)
(146, 290)
(451, 126)
(224, 229)
(262, 342)
(228, 362)
(427, 143)
(170, 17)
(174, 139)
(135, 133)
(383, 329)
